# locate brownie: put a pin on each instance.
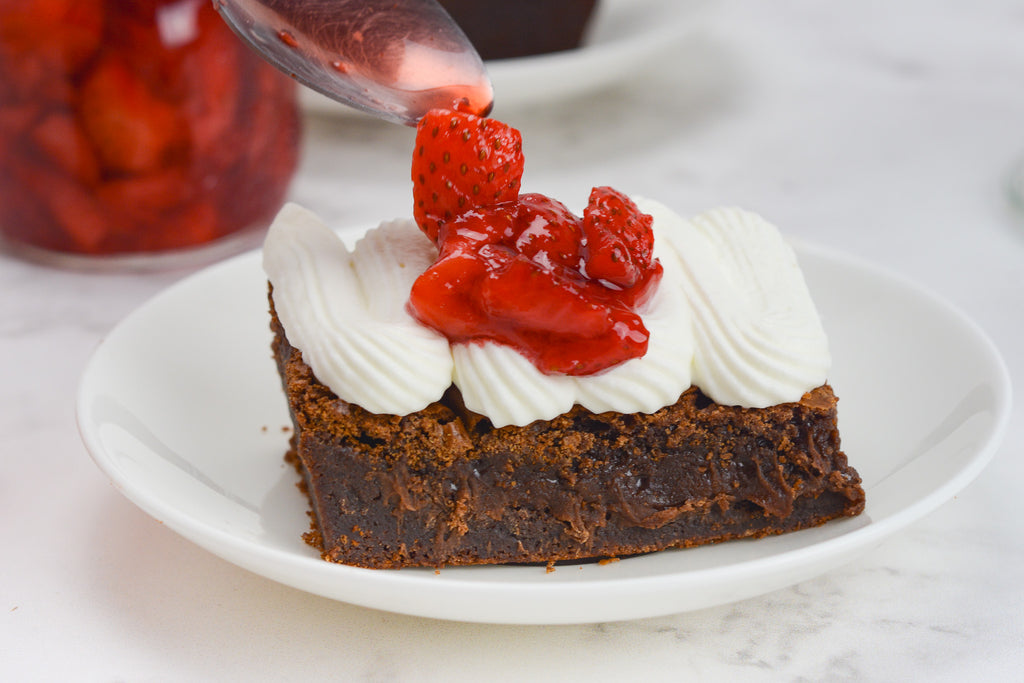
(500, 29)
(443, 486)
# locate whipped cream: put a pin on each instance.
(757, 335)
(346, 310)
(731, 315)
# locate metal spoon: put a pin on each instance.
(395, 59)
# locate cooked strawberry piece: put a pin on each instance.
(221, 83)
(59, 138)
(64, 33)
(523, 296)
(193, 223)
(461, 162)
(81, 217)
(132, 129)
(547, 232)
(15, 122)
(443, 296)
(144, 196)
(470, 231)
(26, 218)
(619, 238)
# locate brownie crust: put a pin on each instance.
(442, 486)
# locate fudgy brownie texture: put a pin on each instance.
(500, 29)
(444, 487)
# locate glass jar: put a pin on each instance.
(137, 127)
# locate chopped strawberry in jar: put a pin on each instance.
(136, 127)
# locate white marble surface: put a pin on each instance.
(885, 130)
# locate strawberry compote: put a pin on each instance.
(130, 127)
(522, 269)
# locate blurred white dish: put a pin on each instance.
(623, 36)
(182, 408)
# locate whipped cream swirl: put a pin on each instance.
(732, 315)
(346, 310)
(757, 335)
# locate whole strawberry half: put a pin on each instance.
(462, 162)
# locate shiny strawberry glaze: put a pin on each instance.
(522, 274)
(523, 270)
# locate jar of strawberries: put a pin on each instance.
(142, 127)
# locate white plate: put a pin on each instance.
(182, 408)
(623, 35)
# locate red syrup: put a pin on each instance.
(523, 270)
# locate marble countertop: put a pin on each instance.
(884, 131)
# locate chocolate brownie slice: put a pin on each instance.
(442, 486)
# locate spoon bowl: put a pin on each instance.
(395, 59)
